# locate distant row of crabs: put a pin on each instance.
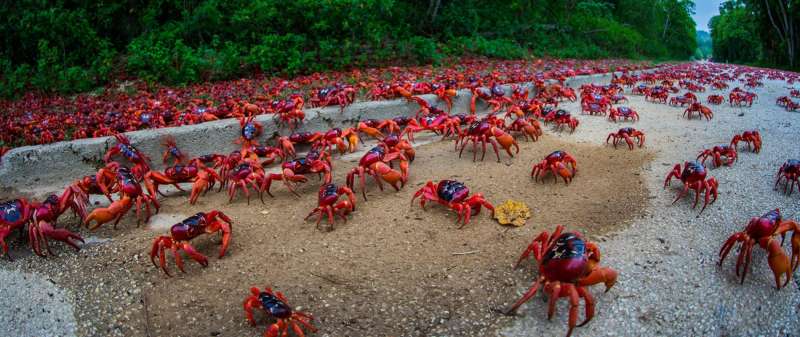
(567, 261)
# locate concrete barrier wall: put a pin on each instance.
(41, 169)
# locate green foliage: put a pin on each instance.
(421, 50)
(704, 45)
(757, 32)
(164, 57)
(68, 46)
(734, 35)
(478, 45)
(277, 52)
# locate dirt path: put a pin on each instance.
(389, 271)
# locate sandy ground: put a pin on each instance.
(391, 269)
(388, 271)
(670, 284)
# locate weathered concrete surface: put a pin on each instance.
(38, 170)
(40, 308)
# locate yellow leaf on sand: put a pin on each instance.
(512, 212)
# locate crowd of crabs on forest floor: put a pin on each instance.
(567, 261)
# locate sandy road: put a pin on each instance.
(666, 254)
(670, 283)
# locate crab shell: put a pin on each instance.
(566, 260)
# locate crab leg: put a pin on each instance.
(589, 310)
(194, 254)
(553, 290)
(574, 303)
(527, 296)
(177, 255)
(778, 261)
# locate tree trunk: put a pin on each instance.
(788, 28)
(666, 23)
(786, 34)
(434, 8)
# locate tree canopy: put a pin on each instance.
(757, 31)
(75, 45)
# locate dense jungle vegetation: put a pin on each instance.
(762, 32)
(73, 45)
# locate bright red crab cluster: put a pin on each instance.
(42, 119)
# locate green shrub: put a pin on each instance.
(163, 56)
(421, 50)
(68, 46)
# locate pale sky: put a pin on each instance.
(704, 10)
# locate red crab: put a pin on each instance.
(436, 122)
(270, 153)
(616, 98)
(117, 178)
(328, 203)
(338, 94)
(527, 127)
(790, 171)
(719, 85)
(695, 87)
(701, 110)
(693, 177)
(203, 179)
(246, 172)
(519, 93)
(286, 144)
(373, 127)
(374, 163)
(715, 99)
(336, 136)
(294, 171)
(556, 162)
(641, 89)
(764, 230)
(454, 195)
(41, 219)
(227, 163)
(424, 107)
(594, 108)
(483, 131)
(172, 150)
(628, 134)
(290, 111)
(783, 101)
(393, 143)
(717, 152)
(250, 132)
(133, 155)
(657, 94)
(88, 184)
(276, 306)
(751, 137)
(181, 233)
(738, 97)
(623, 113)
(568, 263)
(562, 118)
(687, 99)
(445, 93)
(498, 100)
